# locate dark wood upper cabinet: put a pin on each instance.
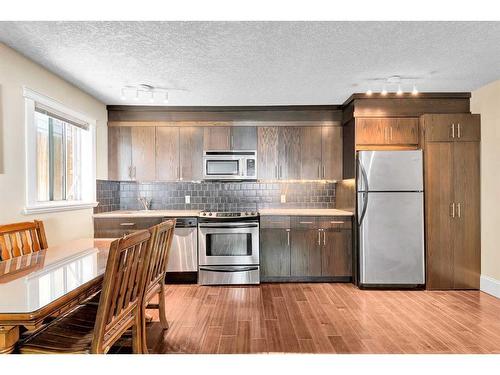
(289, 153)
(217, 138)
(191, 153)
(243, 138)
(120, 153)
(267, 153)
(167, 153)
(331, 154)
(310, 153)
(386, 131)
(451, 127)
(143, 153)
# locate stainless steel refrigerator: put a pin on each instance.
(390, 218)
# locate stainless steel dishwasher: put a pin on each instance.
(184, 252)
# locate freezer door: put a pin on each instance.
(390, 170)
(391, 239)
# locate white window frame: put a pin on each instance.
(88, 179)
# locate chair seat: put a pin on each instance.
(71, 334)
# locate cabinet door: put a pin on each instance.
(143, 153)
(289, 153)
(336, 253)
(371, 131)
(438, 211)
(305, 252)
(275, 252)
(243, 138)
(167, 153)
(217, 138)
(119, 153)
(191, 153)
(466, 231)
(468, 128)
(310, 158)
(267, 153)
(331, 152)
(403, 131)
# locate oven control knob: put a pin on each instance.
(210, 214)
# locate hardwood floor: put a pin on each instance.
(326, 318)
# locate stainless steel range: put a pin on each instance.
(228, 251)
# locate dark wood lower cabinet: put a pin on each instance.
(336, 253)
(305, 252)
(275, 252)
(306, 249)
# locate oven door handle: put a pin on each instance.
(227, 269)
(232, 225)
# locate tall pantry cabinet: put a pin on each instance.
(451, 144)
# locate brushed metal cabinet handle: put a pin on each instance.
(319, 171)
(305, 222)
(324, 238)
(324, 171)
(459, 133)
(319, 237)
(459, 210)
(280, 173)
(127, 224)
(452, 130)
(337, 222)
(288, 237)
(391, 132)
(130, 172)
(453, 210)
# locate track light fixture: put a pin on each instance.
(394, 84)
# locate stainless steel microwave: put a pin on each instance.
(236, 165)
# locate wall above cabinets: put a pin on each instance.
(167, 144)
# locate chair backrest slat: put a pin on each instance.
(163, 236)
(123, 286)
(21, 238)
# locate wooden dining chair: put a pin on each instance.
(94, 328)
(163, 235)
(21, 238)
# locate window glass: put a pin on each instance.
(58, 159)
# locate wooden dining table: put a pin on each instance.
(48, 283)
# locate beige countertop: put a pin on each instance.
(304, 212)
(193, 213)
(149, 213)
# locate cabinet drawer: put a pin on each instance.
(335, 222)
(304, 222)
(275, 222)
(118, 227)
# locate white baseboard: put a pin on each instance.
(490, 285)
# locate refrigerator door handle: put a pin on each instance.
(364, 193)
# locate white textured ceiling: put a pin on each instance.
(259, 63)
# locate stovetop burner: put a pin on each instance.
(236, 215)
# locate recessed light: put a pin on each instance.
(400, 91)
(383, 92)
(414, 91)
(369, 92)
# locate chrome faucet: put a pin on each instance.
(145, 202)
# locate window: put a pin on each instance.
(60, 156)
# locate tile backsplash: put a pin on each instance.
(108, 196)
(220, 196)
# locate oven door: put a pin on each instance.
(223, 168)
(228, 243)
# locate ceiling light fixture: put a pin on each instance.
(384, 91)
(400, 91)
(414, 91)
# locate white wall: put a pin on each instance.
(17, 71)
(486, 101)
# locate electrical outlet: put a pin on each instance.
(187, 199)
(283, 198)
